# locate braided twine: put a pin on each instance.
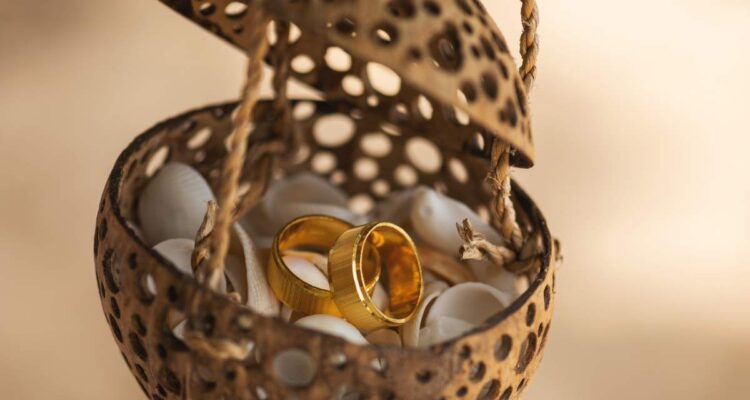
(516, 250)
(213, 237)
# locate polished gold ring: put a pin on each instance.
(402, 275)
(317, 234)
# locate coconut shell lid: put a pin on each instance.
(447, 51)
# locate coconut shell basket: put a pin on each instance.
(457, 91)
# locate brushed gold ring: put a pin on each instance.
(317, 234)
(402, 275)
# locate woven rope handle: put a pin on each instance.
(475, 244)
(529, 42)
(262, 156)
(232, 167)
(500, 157)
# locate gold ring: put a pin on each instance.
(313, 233)
(403, 277)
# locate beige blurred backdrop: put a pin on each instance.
(640, 117)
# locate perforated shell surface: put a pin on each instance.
(140, 290)
(448, 51)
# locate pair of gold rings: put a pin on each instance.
(358, 259)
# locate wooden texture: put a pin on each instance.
(496, 360)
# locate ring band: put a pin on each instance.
(314, 233)
(403, 277)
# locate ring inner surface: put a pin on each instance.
(402, 276)
(317, 234)
(314, 234)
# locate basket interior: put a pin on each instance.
(493, 361)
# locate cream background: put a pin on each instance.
(640, 117)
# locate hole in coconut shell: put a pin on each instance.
(115, 328)
(157, 160)
(337, 59)
(111, 268)
(353, 86)
(137, 346)
(528, 349)
(366, 169)
(294, 368)
(424, 154)
(401, 8)
(445, 49)
(376, 144)
(530, 314)
(303, 64)
(424, 376)
(385, 34)
(334, 130)
(361, 203)
(323, 162)
(199, 138)
(235, 9)
(502, 348)
(431, 7)
(425, 107)
(303, 110)
(506, 394)
(490, 390)
(383, 79)
(405, 175)
(477, 371)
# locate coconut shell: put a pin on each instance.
(140, 289)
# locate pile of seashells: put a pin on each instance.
(458, 295)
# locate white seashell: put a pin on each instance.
(299, 195)
(179, 252)
(410, 330)
(242, 268)
(303, 188)
(173, 204)
(333, 326)
(174, 318)
(428, 276)
(296, 196)
(436, 286)
(434, 217)
(387, 337)
(179, 330)
(286, 313)
(289, 315)
(380, 297)
(260, 297)
(472, 302)
(235, 271)
(262, 242)
(397, 207)
(522, 284)
(442, 329)
(257, 224)
(294, 367)
(306, 271)
(499, 278)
